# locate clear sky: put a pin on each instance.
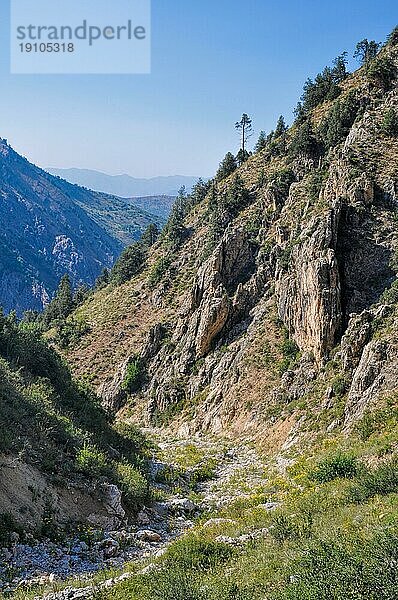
(212, 60)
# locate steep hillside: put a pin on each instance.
(50, 227)
(281, 282)
(60, 455)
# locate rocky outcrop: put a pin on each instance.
(309, 294)
(369, 363)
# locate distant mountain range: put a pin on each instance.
(125, 185)
(50, 227)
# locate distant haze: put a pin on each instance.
(125, 186)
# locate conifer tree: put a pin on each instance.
(366, 51)
(150, 235)
(227, 166)
(261, 142)
(245, 128)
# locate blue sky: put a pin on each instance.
(211, 61)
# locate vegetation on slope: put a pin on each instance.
(51, 421)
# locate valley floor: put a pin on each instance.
(89, 563)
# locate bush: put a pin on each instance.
(381, 481)
(70, 332)
(348, 569)
(389, 125)
(290, 352)
(289, 527)
(339, 386)
(335, 467)
(7, 526)
(132, 483)
(134, 375)
(382, 71)
(158, 270)
(91, 461)
(282, 181)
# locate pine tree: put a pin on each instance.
(245, 127)
(279, 145)
(304, 142)
(366, 51)
(281, 127)
(227, 166)
(81, 294)
(150, 235)
(103, 279)
(62, 304)
(340, 68)
(261, 142)
(174, 230)
(130, 263)
(242, 157)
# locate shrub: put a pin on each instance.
(389, 125)
(383, 419)
(382, 480)
(91, 461)
(132, 483)
(158, 270)
(335, 467)
(7, 526)
(382, 71)
(134, 376)
(290, 352)
(70, 332)
(282, 181)
(390, 295)
(358, 570)
(339, 385)
(286, 527)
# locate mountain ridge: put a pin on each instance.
(124, 185)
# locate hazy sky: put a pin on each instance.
(212, 60)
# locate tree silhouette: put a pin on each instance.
(245, 128)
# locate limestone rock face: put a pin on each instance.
(111, 392)
(223, 288)
(309, 296)
(367, 381)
